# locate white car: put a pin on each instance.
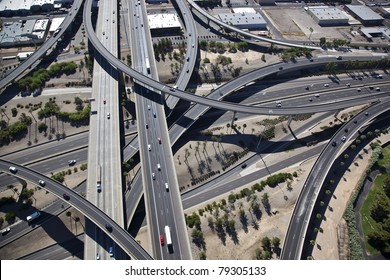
(12, 169)
(108, 115)
(5, 231)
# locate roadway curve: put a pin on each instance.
(300, 218)
(98, 217)
(244, 33)
(227, 106)
(43, 49)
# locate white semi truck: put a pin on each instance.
(168, 238)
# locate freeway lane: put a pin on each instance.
(118, 234)
(293, 245)
(157, 86)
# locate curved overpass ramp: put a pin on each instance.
(300, 218)
(118, 234)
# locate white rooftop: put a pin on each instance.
(15, 5)
(244, 11)
(41, 2)
(55, 23)
(240, 19)
(157, 21)
(364, 12)
(327, 13)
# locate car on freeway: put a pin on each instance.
(158, 167)
(108, 115)
(153, 176)
(65, 196)
(12, 169)
(162, 240)
(154, 114)
(72, 162)
(307, 87)
(343, 138)
(149, 147)
(97, 256)
(334, 143)
(104, 101)
(281, 68)
(42, 183)
(366, 113)
(326, 85)
(148, 107)
(243, 166)
(159, 140)
(111, 251)
(359, 89)
(108, 227)
(98, 187)
(5, 231)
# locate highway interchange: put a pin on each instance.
(302, 105)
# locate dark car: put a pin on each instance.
(334, 144)
(108, 227)
(65, 196)
(243, 166)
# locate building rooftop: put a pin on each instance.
(157, 21)
(327, 13)
(367, 31)
(241, 19)
(364, 12)
(41, 2)
(55, 23)
(244, 11)
(15, 5)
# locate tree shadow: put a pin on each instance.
(244, 222)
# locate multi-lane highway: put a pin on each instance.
(104, 184)
(162, 207)
(97, 216)
(298, 226)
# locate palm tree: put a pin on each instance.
(243, 127)
(69, 214)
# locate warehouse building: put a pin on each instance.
(375, 32)
(244, 20)
(166, 24)
(328, 16)
(364, 14)
(21, 34)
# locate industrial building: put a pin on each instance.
(364, 14)
(328, 16)
(375, 32)
(26, 7)
(385, 11)
(244, 20)
(166, 24)
(23, 33)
